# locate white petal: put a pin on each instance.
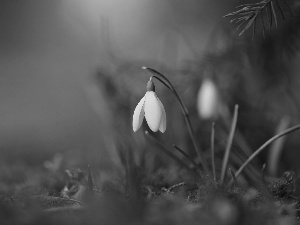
(138, 115)
(207, 100)
(163, 123)
(153, 112)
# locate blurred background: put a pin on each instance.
(70, 77)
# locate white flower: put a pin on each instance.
(151, 107)
(208, 100)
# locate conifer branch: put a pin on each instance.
(247, 14)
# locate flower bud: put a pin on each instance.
(208, 100)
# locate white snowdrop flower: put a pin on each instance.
(151, 107)
(208, 100)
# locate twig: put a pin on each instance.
(247, 13)
(251, 4)
(176, 185)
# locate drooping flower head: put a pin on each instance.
(152, 109)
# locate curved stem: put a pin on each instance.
(285, 132)
(168, 84)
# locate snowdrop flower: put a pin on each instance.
(208, 100)
(151, 107)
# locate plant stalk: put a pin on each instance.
(168, 84)
(229, 143)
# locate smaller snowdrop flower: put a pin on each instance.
(151, 107)
(208, 100)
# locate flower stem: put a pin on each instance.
(168, 84)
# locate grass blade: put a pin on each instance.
(277, 147)
(229, 143)
(261, 148)
(212, 148)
